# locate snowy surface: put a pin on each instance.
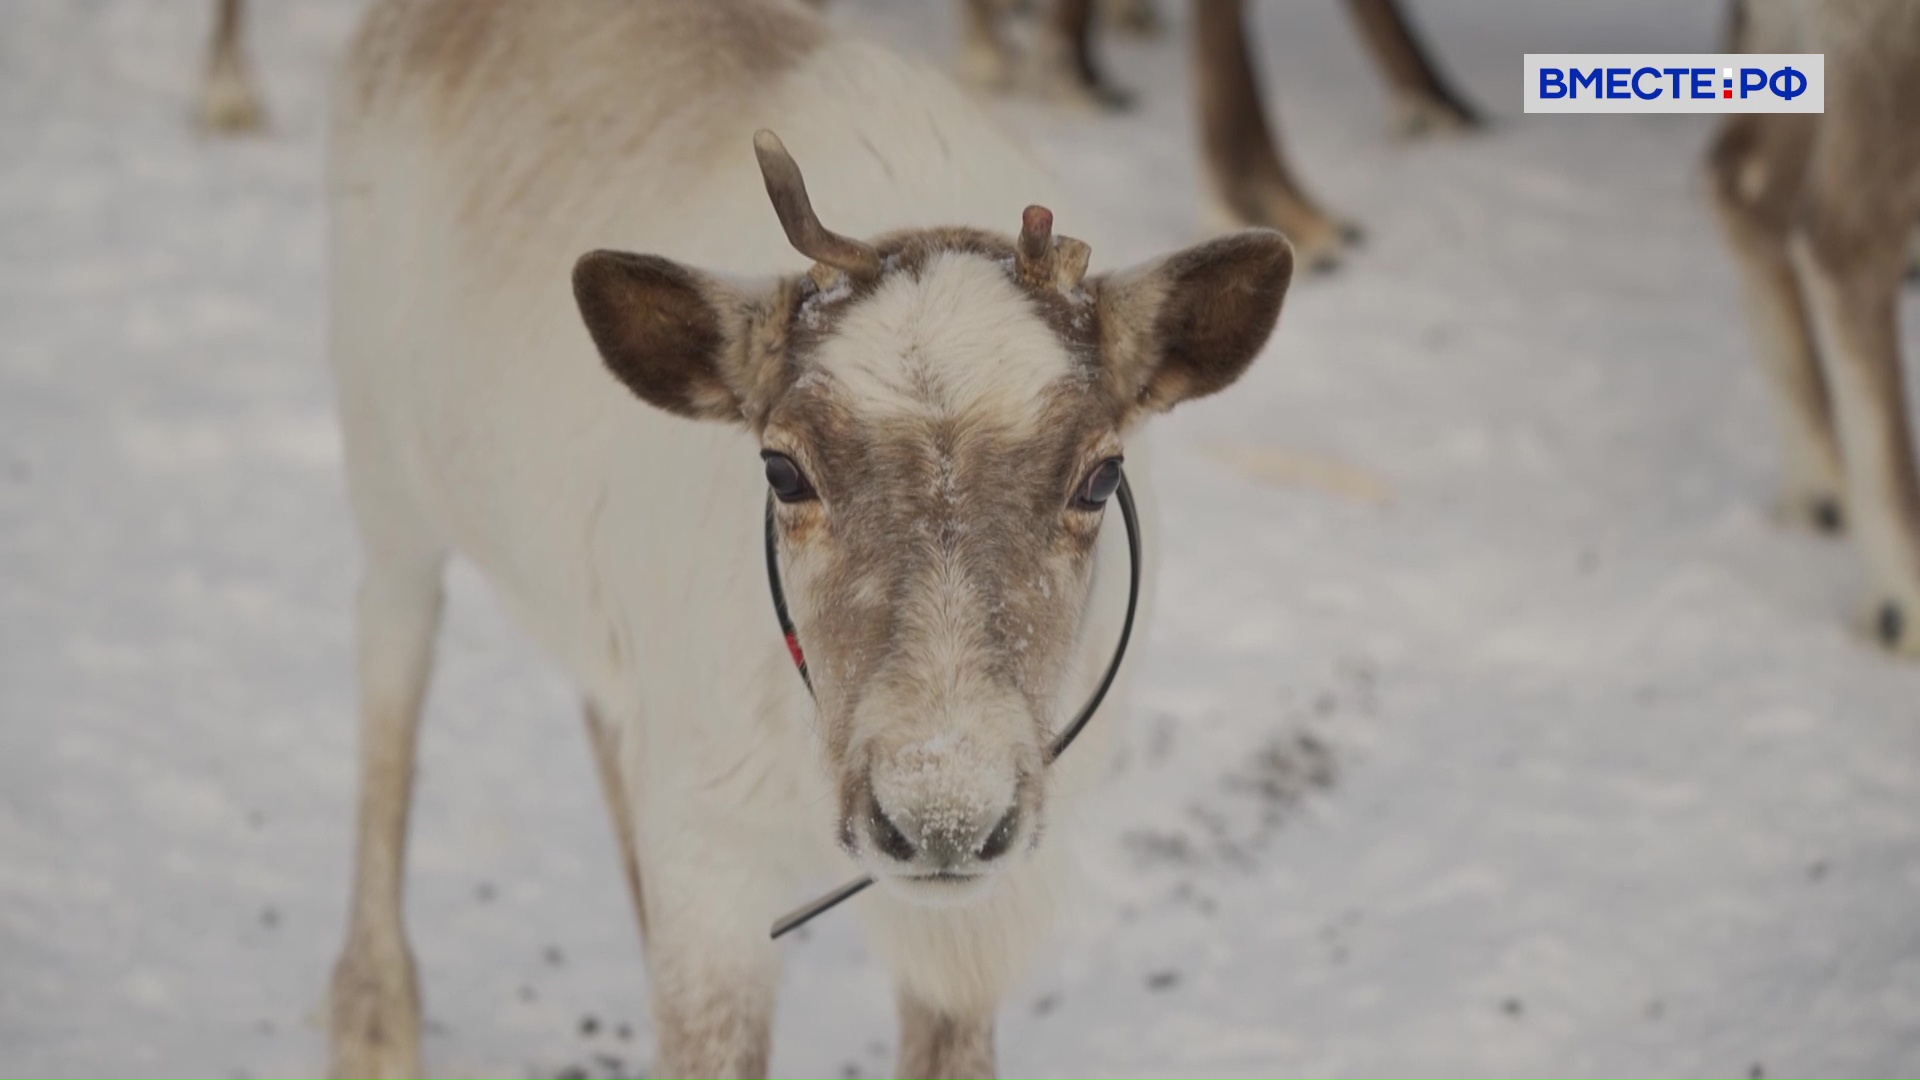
(1516, 741)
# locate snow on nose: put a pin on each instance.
(943, 804)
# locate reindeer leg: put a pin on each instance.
(941, 1045)
(1251, 182)
(951, 967)
(375, 1030)
(714, 972)
(1062, 65)
(708, 904)
(229, 100)
(1136, 18)
(713, 999)
(713, 988)
(1859, 210)
(605, 739)
(1756, 166)
(1424, 100)
(986, 60)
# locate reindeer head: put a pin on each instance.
(942, 415)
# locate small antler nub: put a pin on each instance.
(1033, 252)
(1043, 261)
(788, 190)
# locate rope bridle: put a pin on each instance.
(801, 915)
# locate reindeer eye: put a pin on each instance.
(789, 484)
(1099, 485)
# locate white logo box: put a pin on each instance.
(1645, 82)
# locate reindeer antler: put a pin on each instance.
(788, 190)
(1033, 251)
(1040, 260)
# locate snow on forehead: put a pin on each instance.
(961, 339)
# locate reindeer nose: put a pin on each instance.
(941, 839)
(887, 836)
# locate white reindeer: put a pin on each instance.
(940, 411)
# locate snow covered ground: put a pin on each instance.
(1531, 746)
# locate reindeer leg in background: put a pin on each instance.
(1250, 181)
(229, 100)
(1856, 218)
(1061, 64)
(1755, 171)
(986, 59)
(1135, 18)
(1424, 100)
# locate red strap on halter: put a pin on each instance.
(793, 647)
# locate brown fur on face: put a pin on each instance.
(939, 578)
(909, 506)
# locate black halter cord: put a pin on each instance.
(802, 915)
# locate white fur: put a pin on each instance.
(964, 330)
(479, 420)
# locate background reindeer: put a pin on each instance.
(1251, 180)
(1819, 210)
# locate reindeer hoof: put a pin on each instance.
(1820, 511)
(375, 1026)
(229, 102)
(1890, 625)
(1422, 116)
(1320, 241)
(1887, 621)
(1323, 264)
(1318, 251)
(1324, 250)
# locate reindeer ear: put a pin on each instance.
(1189, 324)
(686, 341)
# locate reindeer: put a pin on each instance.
(1250, 181)
(939, 412)
(1819, 210)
